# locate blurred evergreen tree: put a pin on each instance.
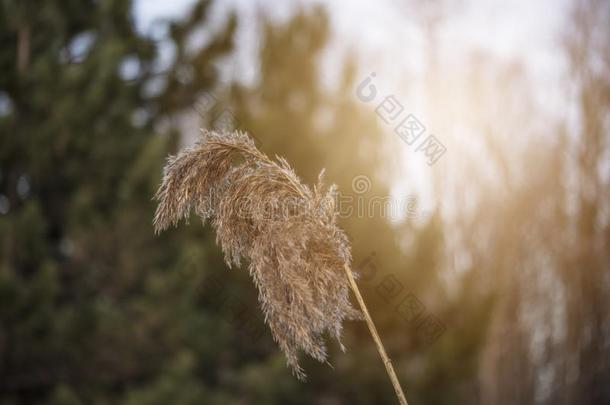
(93, 307)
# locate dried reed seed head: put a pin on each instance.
(262, 213)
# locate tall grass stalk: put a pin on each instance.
(298, 257)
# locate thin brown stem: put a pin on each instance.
(369, 321)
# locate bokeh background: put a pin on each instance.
(493, 288)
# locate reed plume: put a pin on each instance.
(287, 233)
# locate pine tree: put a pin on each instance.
(93, 308)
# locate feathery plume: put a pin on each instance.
(286, 232)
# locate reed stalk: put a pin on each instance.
(287, 232)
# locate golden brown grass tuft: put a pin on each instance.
(285, 231)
